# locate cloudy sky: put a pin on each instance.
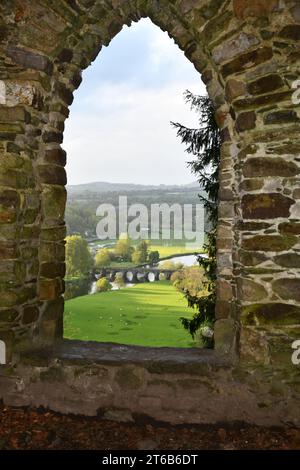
(119, 127)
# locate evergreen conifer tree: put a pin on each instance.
(204, 143)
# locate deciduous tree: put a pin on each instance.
(103, 258)
(79, 260)
(123, 249)
(140, 255)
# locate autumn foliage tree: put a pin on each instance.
(103, 258)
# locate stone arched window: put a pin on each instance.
(247, 55)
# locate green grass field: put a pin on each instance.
(173, 247)
(165, 250)
(146, 314)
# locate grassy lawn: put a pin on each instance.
(173, 247)
(146, 314)
(165, 250)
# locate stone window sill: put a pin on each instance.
(156, 360)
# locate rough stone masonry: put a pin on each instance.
(248, 55)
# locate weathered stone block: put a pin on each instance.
(254, 346)
(262, 101)
(8, 250)
(226, 194)
(224, 261)
(12, 114)
(246, 121)
(270, 314)
(52, 174)
(269, 243)
(52, 137)
(250, 291)
(30, 314)
(52, 270)
(288, 260)
(234, 47)
(224, 290)
(246, 226)
(287, 289)
(224, 244)
(250, 149)
(120, 416)
(290, 228)
(65, 55)
(268, 166)
(226, 210)
(52, 252)
(225, 336)
(252, 184)
(8, 337)
(281, 117)
(266, 84)
(266, 206)
(251, 258)
(56, 156)
(8, 315)
(257, 8)
(9, 131)
(53, 309)
(64, 94)
(234, 88)
(296, 193)
(291, 31)
(245, 61)
(224, 309)
(127, 377)
(51, 322)
(9, 205)
(150, 403)
(50, 289)
(295, 10)
(53, 202)
(215, 24)
(17, 93)
(29, 59)
(11, 297)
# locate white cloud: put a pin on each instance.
(133, 141)
(161, 48)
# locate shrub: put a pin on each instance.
(103, 285)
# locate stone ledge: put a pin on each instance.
(172, 360)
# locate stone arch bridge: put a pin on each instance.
(135, 275)
(247, 54)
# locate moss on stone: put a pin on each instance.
(127, 377)
(270, 314)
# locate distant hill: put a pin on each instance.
(104, 187)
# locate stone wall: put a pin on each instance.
(247, 53)
(133, 383)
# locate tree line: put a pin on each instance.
(80, 261)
